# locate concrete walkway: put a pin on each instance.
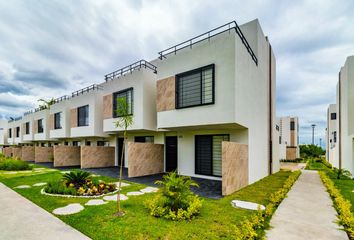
(22, 219)
(307, 212)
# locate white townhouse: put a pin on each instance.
(216, 104)
(288, 138)
(332, 153)
(345, 115)
(3, 133)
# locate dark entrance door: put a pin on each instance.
(120, 148)
(171, 154)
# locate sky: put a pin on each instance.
(52, 48)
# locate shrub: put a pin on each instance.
(175, 200)
(343, 206)
(10, 164)
(78, 178)
(59, 187)
(342, 173)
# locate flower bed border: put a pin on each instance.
(75, 196)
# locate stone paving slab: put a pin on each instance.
(69, 209)
(307, 213)
(21, 219)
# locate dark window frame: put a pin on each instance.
(211, 162)
(83, 123)
(178, 76)
(17, 132)
(333, 116)
(57, 125)
(40, 125)
(10, 132)
(140, 137)
(335, 136)
(114, 99)
(27, 128)
(292, 125)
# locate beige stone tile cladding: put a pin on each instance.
(34, 126)
(51, 122)
(17, 152)
(28, 153)
(107, 106)
(145, 159)
(292, 138)
(43, 154)
(66, 156)
(166, 94)
(95, 157)
(73, 117)
(7, 151)
(290, 153)
(234, 167)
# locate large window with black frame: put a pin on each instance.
(196, 87)
(17, 132)
(57, 120)
(208, 154)
(83, 116)
(40, 125)
(127, 95)
(10, 132)
(27, 128)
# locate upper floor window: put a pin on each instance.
(57, 120)
(83, 116)
(196, 87)
(292, 125)
(10, 132)
(40, 125)
(335, 136)
(144, 139)
(17, 132)
(333, 116)
(27, 127)
(126, 95)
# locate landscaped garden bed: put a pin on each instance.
(217, 219)
(11, 164)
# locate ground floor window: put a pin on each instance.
(102, 144)
(144, 139)
(208, 154)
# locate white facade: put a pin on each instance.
(27, 120)
(42, 115)
(289, 136)
(62, 108)
(332, 153)
(345, 115)
(3, 132)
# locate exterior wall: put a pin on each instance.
(28, 153)
(289, 138)
(63, 107)
(166, 93)
(145, 159)
(234, 167)
(3, 132)
(345, 102)
(7, 151)
(47, 124)
(291, 153)
(331, 142)
(27, 138)
(65, 156)
(43, 154)
(17, 152)
(95, 157)
(143, 83)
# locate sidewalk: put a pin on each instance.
(307, 212)
(22, 219)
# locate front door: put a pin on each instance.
(120, 148)
(171, 154)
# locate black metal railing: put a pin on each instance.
(206, 36)
(18, 118)
(33, 111)
(62, 98)
(129, 69)
(85, 90)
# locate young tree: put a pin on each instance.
(125, 120)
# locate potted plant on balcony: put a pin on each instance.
(125, 120)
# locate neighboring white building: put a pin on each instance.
(288, 138)
(3, 133)
(332, 153)
(345, 115)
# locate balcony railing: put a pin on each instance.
(129, 69)
(62, 98)
(206, 36)
(86, 90)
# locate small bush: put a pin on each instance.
(342, 173)
(175, 200)
(343, 206)
(10, 164)
(78, 178)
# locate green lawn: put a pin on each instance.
(345, 186)
(216, 220)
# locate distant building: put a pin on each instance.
(332, 153)
(288, 138)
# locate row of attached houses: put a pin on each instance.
(340, 120)
(205, 107)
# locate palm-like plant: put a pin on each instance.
(176, 189)
(124, 121)
(341, 172)
(46, 103)
(78, 178)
